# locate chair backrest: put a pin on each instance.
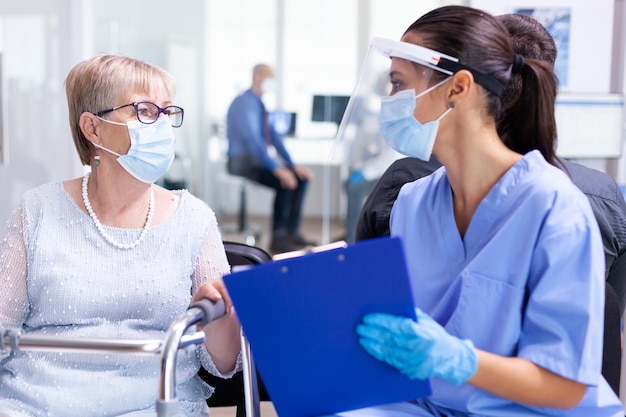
(241, 254)
(612, 345)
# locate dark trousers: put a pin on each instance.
(287, 214)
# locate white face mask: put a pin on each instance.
(268, 85)
(402, 131)
(152, 148)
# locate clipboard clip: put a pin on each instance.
(315, 249)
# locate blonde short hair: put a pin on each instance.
(99, 82)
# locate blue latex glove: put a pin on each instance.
(421, 349)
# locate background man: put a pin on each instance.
(250, 135)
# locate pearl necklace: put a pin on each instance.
(103, 232)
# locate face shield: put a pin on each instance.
(358, 135)
(383, 56)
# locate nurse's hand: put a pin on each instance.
(420, 350)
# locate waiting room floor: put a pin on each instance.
(266, 410)
(311, 229)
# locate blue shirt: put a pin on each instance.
(526, 280)
(246, 132)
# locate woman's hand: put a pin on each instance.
(222, 335)
(424, 349)
(214, 290)
(421, 349)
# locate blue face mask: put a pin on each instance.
(400, 128)
(152, 148)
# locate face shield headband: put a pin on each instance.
(435, 60)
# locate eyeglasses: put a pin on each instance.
(149, 113)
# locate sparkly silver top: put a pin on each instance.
(60, 277)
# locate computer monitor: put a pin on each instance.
(283, 122)
(329, 108)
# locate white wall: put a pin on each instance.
(210, 47)
(40, 40)
(596, 57)
(171, 35)
(317, 48)
(617, 168)
(590, 44)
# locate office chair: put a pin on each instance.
(251, 232)
(245, 389)
(612, 347)
(239, 254)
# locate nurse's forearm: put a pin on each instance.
(524, 382)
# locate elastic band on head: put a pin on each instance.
(518, 64)
(487, 81)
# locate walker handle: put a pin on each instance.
(211, 310)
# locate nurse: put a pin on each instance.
(505, 256)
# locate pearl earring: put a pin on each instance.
(96, 160)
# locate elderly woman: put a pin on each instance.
(112, 255)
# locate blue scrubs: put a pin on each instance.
(526, 280)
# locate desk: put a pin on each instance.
(311, 152)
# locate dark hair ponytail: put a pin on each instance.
(525, 121)
(528, 122)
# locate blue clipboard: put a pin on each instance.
(299, 316)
